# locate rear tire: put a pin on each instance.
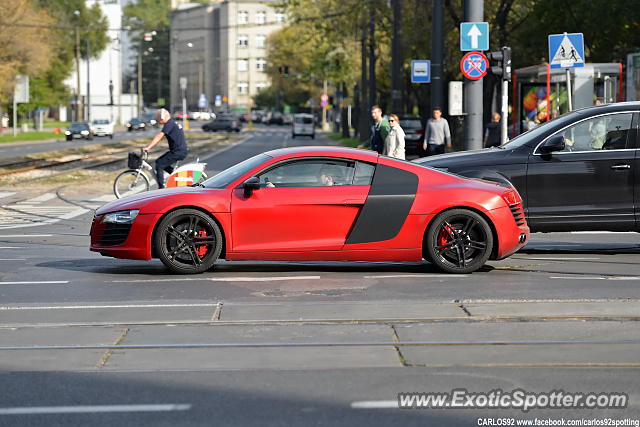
(188, 241)
(130, 182)
(458, 241)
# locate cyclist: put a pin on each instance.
(177, 145)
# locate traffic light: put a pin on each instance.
(284, 71)
(502, 61)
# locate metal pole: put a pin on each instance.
(437, 47)
(140, 81)
(373, 98)
(473, 12)
(184, 109)
(505, 111)
(396, 57)
(15, 114)
(325, 126)
(88, 82)
(569, 93)
(77, 74)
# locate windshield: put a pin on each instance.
(101, 122)
(304, 120)
(536, 133)
(79, 126)
(411, 124)
(227, 176)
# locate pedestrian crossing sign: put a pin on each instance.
(566, 50)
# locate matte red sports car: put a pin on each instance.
(317, 203)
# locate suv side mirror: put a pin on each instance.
(554, 143)
(250, 185)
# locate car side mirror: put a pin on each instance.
(555, 143)
(250, 185)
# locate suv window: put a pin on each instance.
(309, 173)
(609, 132)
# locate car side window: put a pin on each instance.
(609, 132)
(364, 173)
(309, 173)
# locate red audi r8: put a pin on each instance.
(317, 203)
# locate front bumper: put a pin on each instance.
(128, 242)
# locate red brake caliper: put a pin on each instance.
(445, 235)
(202, 250)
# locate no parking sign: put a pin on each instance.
(474, 65)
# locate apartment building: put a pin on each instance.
(220, 48)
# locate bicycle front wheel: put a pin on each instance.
(130, 182)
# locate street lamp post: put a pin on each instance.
(77, 29)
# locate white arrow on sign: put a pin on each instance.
(474, 33)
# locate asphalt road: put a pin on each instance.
(91, 340)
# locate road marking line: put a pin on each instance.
(25, 235)
(11, 247)
(4, 194)
(558, 258)
(33, 410)
(417, 276)
(80, 307)
(375, 404)
(13, 259)
(596, 277)
(223, 279)
(105, 198)
(42, 198)
(50, 282)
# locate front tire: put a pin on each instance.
(458, 241)
(188, 241)
(130, 182)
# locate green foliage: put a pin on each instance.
(147, 16)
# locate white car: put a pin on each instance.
(303, 125)
(102, 127)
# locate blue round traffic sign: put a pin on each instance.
(474, 65)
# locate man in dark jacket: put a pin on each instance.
(379, 130)
(177, 145)
(492, 137)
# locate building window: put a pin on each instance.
(261, 40)
(279, 18)
(243, 64)
(243, 41)
(261, 65)
(261, 85)
(261, 17)
(243, 88)
(243, 17)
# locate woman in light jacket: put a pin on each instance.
(394, 143)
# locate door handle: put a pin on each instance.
(619, 167)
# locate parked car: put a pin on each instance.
(229, 124)
(136, 124)
(579, 172)
(317, 204)
(275, 118)
(102, 127)
(150, 119)
(287, 119)
(303, 125)
(414, 134)
(178, 116)
(79, 130)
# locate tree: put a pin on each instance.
(48, 88)
(25, 49)
(145, 16)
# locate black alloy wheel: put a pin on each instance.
(459, 241)
(188, 241)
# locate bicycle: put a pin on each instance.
(135, 180)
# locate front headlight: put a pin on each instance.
(67, 132)
(121, 217)
(141, 125)
(85, 132)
